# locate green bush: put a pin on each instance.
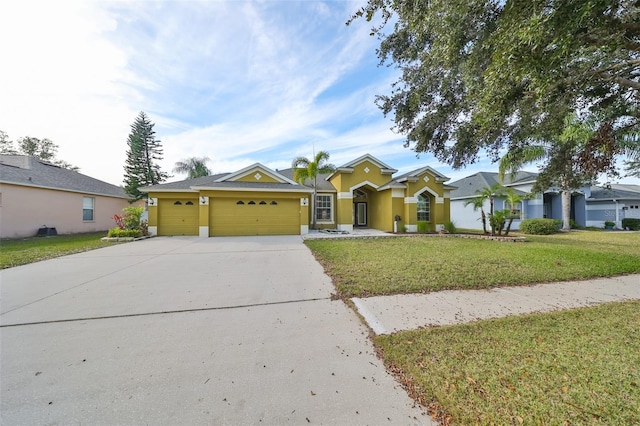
(539, 226)
(132, 217)
(423, 226)
(631, 223)
(124, 233)
(450, 227)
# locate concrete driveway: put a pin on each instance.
(188, 331)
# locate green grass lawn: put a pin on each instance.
(366, 267)
(29, 250)
(573, 367)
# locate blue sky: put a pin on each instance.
(237, 81)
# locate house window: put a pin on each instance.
(515, 210)
(324, 210)
(87, 208)
(424, 208)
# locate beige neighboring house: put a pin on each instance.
(36, 194)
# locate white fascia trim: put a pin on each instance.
(384, 167)
(203, 232)
(361, 184)
(298, 189)
(339, 169)
(247, 170)
(345, 195)
(191, 189)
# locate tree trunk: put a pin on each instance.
(484, 220)
(506, 232)
(491, 218)
(566, 209)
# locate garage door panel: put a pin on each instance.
(178, 217)
(273, 217)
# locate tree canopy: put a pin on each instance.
(193, 167)
(494, 74)
(144, 152)
(44, 149)
(308, 169)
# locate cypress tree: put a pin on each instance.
(141, 167)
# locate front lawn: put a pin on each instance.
(29, 250)
(366, 267)
(572, 367)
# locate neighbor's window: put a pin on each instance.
(87, 208)
(515, 210)
(424, 208)
(323, 208)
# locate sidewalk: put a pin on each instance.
(389, 314)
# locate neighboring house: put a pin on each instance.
(35, 193)
(259, 201)
(590, 205)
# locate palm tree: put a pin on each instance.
(490, 193)
(478, 204)
(560, 166)
(305, 169)
(194, 167)
(513, 199)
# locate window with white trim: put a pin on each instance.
(87, 208)
(424, 208)
(324, 208)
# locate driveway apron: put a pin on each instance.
(187, 330)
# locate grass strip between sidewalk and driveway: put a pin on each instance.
(368, 267)
(579, 366)
(28, 250)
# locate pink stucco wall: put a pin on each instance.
(23, 210)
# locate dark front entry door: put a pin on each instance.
(360, 214)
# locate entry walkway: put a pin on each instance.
(389, 314)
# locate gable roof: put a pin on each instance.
(30, 171)
(467, 187)
(230, 177)
(417, 172)
(225, 182)
(348, 167)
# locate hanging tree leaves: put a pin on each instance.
(485, 75)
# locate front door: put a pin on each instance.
(361, 214)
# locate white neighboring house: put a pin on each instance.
(36, 194)
(590, 205)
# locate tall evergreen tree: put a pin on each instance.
(141, 167)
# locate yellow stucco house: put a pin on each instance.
(259, 201)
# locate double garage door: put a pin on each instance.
(254, 216)
(231, 216)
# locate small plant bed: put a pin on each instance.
(29, 250)
(379, 266)
(572, 367)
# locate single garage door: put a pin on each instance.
(178, 216)
(254, 216)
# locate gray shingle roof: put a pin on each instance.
(185, 184)
(619, 192)
(30, 171)
(323, 184)
(467, 187)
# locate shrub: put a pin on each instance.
(124, 233)
(423, 226)
(631, 223)
(609, 224)
(450, 227)
(132, 217)
(539, 226)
